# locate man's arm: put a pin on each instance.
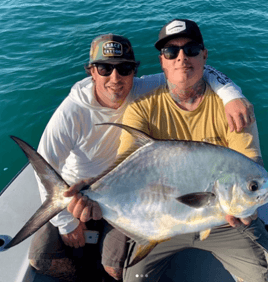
(238, 110)
(55, 146)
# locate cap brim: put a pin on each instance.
(113, 60)
(161, 43)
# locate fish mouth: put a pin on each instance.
(263, 199)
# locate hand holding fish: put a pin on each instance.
(81, 206)
(236, 222)
(239, 114)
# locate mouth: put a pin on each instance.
(116, 88)
(184, 68)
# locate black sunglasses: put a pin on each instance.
(190, 49)
(124, 69)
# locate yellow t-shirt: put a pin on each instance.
(158, 115)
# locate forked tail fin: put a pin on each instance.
(55, 187)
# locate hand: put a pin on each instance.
(76, 238)
(236, 222)
(81, 206)
(239, 114)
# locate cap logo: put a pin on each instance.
(112, 48)
(175, 27)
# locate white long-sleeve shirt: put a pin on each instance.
(78, 149)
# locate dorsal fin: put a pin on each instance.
(141, 138)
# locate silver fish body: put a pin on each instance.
(162, 189)
(142, 195)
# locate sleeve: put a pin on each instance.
(55, 146)
(223, 86)
(246, 141)
(136, 117)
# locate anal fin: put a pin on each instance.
(144, 250)
(204, 234)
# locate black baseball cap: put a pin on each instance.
(179, 28)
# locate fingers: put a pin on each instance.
(240, 122)
(91, 211)
(233, 221)
(74, 202)
(236, 222)
(86, 214)
(248, 220)
(239, 114)
(76, 188)
(250, 111)
(76, 238)
(81, 204)
(85, 209)
(96, 211)
(72, 241)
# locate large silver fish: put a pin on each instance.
(162, 189)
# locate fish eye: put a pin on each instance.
(253, 186)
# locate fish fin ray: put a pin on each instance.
(141, 137)
(204, 234)
(144, 250)
(47, 174)
(197, 200)
(47, 211)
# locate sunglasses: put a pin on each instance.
(190, 49)
(124, 69)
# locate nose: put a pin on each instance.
(181, 56)
(115, 76)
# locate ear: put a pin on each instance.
(93, 73)
(205, 54)
(160, 59)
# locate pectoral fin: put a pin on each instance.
(204, 234)
(197, 200)
(144, 250)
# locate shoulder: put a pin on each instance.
(75, 105)
(213, 73)
(213, 97)
(86, 82)
(146, 83)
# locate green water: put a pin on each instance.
(44, 45)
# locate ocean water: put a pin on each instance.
(45, 44)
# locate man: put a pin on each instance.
(192, 111)
(78, 149)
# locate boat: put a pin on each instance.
(20, 199)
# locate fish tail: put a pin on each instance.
(54, 185)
